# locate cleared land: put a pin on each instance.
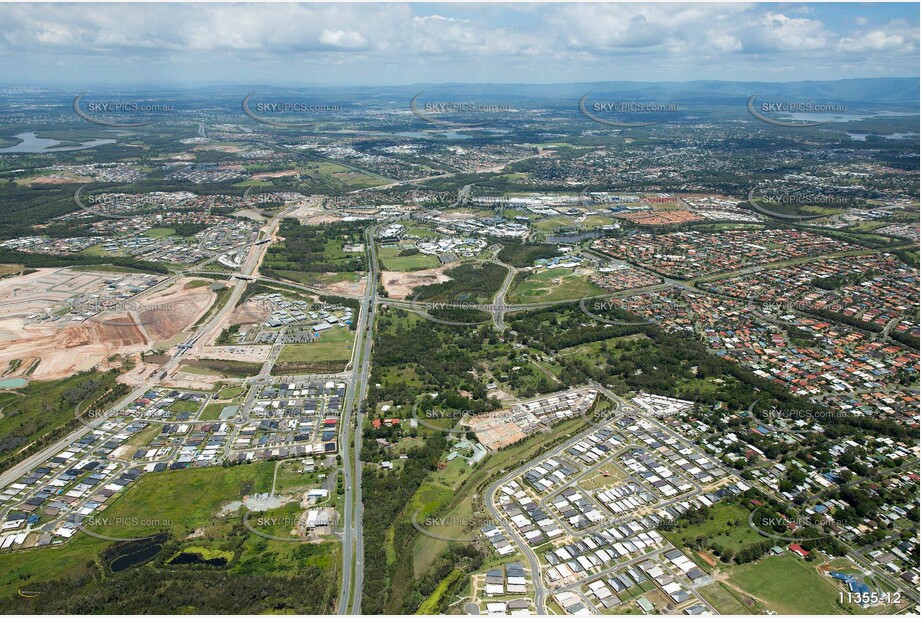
(785, 584)
(400, 285)
(554, 284)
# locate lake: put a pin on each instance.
(33, 144)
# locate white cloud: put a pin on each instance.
(778, 32)
(341, 38)
(896, 36)
(403, 42)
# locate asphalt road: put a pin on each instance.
(499, 306)
(352, 532)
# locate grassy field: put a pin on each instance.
(392, 260)
(290, 476)
(230, 392)
(724, 600)
(19, 569)
(334, 345)
(727, 528)
(787, 585)
(159, 232)
(153, 497)
(203, 491)
(421, 232)
(335, 175)
(454, 473)
(551, 285)
(599, 353)
(552, 223)
(143, 437)
(430, 498)
(312, 278)
(200, 371)
(212, 411)
(185, 406)
(47, 407)
(98, 250)
(597, 479)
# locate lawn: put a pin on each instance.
(421, 232)
(597, 479)
(99, 250)
(454, 473)
(551, 285)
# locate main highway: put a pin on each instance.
(350, 443)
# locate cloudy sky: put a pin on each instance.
(371, 44)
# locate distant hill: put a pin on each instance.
(893, 93)
(865, 92)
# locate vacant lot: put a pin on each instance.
(400, 285)
(553, 284)
(727, 528)
(787, 585)
(204, 490)
(392, 259)
(331, 353)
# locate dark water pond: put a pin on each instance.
(138, 556)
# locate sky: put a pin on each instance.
(398, 43)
